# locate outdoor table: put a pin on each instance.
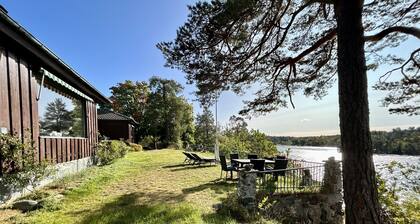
(242, 162)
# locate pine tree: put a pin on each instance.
(284, 46)
(205, 128)
(56, 118)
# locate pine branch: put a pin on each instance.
(400, 29)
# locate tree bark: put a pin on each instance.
(360, 191)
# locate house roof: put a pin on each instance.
(17, 33)
(114, 116)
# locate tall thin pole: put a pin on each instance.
(216, 145)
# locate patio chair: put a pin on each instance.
(280, 164)
(203, 160)
(225, 167)
(189, 158)
(258, 164)
(281, 157)
(269, 158)
(252, 156)
(234, 156)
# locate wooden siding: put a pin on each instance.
(19, 112)
(116, 129)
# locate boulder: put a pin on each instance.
(25, 205)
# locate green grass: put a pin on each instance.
(143, 187)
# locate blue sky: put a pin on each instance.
(110, 41)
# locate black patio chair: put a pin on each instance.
(225, 167)
(252, 156)
(269, 165)
(258, 164)
(188, 158)
(203, 160)
(281, 157)
(232, 157)
(280, 164)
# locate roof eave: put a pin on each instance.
(16, 32)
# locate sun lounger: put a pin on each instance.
(190, 158)
(203, 159)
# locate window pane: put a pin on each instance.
(60, 114)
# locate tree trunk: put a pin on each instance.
(360, 192)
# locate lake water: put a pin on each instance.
(319, 154)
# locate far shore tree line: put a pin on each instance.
(398, 141)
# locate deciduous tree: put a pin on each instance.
(168, 115)
(130, 98)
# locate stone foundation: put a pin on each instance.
(61, 170)
(325, 206)
(305, 208)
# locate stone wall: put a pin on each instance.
(304, 208)
(325, 206)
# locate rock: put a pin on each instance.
(58, 197)
(25, 205)
(217, 206)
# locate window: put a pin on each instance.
(61, 114)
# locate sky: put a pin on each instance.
(110, 41)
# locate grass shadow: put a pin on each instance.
(127, 209)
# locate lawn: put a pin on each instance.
(143, 187)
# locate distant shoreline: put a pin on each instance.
(396, 142)
(327, 148)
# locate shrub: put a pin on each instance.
(108, 151)
(400, 209)
(19, 166)
(231, 207)
(135, 147)
(246, 142)
(150, 142)
(176, 145)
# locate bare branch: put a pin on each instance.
(401, 68)
(400, 29)
(288, 88)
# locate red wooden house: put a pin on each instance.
(43, 99)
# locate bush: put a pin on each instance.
(400, 209)
(150, 142)
(247, 142)
(108, 151)
(135, 147)
(176, 145)
(19, 166)
(231, 206)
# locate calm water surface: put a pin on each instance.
(319, 154)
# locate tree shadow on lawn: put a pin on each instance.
(218, 186)
(127, 209)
